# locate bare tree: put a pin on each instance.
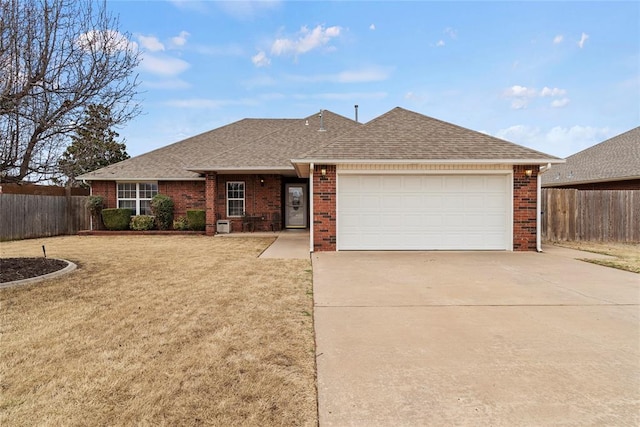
(56, 58)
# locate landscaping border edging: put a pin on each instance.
(68, 269)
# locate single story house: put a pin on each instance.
(610, 165)
(402, 181)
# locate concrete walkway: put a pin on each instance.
(475, 339)
(290, 244)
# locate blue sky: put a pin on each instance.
(554, 76)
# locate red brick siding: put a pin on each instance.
(106, 189)
(324, 208)
(260, 198)
(524, 208)
(210, 203)
(186, 195)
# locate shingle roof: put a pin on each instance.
(615, 159)
(276, 149)
(170, 162)
(405, 135)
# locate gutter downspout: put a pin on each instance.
(542, 170)
(311, 166)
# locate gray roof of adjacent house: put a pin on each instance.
(404, 135)
(616, 159)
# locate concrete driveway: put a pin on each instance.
(475, 338)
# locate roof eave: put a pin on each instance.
(532, 161)
(590, 181)
(267, 170)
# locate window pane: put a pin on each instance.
(148, 190)
(127, 190)
(236, 207)
(145, 207)
(127, 204)
(235, 190)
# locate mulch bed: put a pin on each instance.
(25, 268)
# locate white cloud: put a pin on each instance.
(372, 27)
(163, 65)
(558, 141)
(440, 43)
(108, 40)
(558, 39)
(451, 32)
(150, 43)
(583, 40)
(552, 92)
(305, 41)
(559, 103)
(521, 96)
(260, 59)
(180, 39)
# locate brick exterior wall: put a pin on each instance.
(108, 190)
(262, 197)
(186, 195)
(324, 208)
(524, 208)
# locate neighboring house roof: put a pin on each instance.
(616, 159)
(405, 136)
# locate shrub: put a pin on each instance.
(162, 208)
(95, 204)
(116, 219)
(180, 223)
(196, 219)
(142, 222)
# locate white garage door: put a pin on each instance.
(423, 212)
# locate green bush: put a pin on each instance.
(142, 222)
(116, 219)
(180, 223)
(162, 208)
(196, 219)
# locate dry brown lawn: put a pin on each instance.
(626, 255)
(158, 330)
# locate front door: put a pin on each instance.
(295, 211)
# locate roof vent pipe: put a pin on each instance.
(356, 107)
(322, 129)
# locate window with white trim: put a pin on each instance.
(235, 198)
(137, 196)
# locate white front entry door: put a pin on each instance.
(295, 206)
(424, 212)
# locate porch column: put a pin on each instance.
(210, 202)
(324, 208)
(525, 208)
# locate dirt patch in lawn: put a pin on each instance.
(159, 330)
(12, 269)
(626, 255)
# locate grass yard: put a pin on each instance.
(626, 255)
(159, 330)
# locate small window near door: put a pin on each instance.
(235, 198)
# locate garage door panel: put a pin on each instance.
(423, 212)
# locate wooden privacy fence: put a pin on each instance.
(25, 216)
(598, 215)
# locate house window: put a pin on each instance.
(235, 198)
(137, 196)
